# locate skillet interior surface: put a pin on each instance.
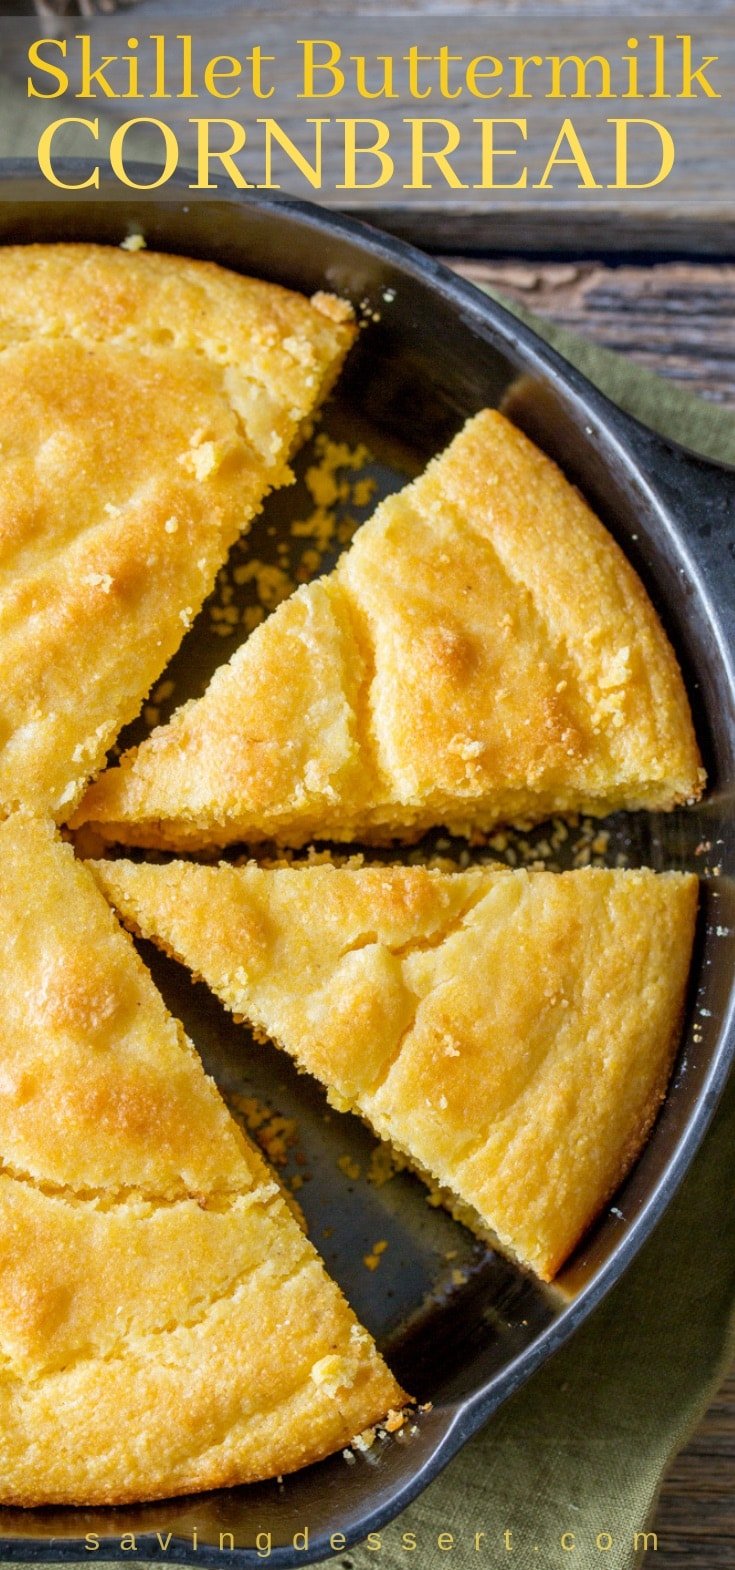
(459, 1324)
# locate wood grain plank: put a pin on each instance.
(696, 1513)
(676, 318)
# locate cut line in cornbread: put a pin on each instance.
(510, 1032)
(482, 653)
(165, 1326)
(148, 403)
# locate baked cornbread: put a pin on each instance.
(165, 1326)
(511, 1032)
(483, 652)
(147, 403)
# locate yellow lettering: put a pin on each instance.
(490, 152)
(444, 60)
(55, 71)
(311, 66)
(521, 64)
(256, 59)
(622, 181)
(117, 161)
(413, 60)
(475, 75)
(385, 88)
(88, 76)
(420, 153)
(311, 172)
(226, 155)
(689, 74)
(225, 66)
(352, 152)
(44, 154)
(581, 66)
(576, 157)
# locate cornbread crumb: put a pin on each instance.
(98, 580)
(203, 459)
(133, 242)
(350, 1167)
(372, 1260)
(331, 1373)
(271, 582)
(275, 1133)
(331, 305)
(340, 1103)
(383, 1165)
(393, 1421)
(252, 616)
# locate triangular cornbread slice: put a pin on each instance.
(164, 1324)
(148, 403)
(483, 652)
(512, 1033)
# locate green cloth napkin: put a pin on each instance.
(582, 1448)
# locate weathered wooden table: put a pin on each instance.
(677, 318)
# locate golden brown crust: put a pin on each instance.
(483, 652)
(148, 403)
(164, 1324)
(512, 1032)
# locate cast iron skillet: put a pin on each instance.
(439, 351)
